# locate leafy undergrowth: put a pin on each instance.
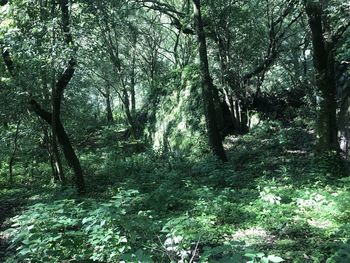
(273, 200)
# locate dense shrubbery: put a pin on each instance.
(69, 229)
(269, 200)
(114, 114)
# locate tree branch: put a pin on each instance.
(159, 6)
(276, 38)
(339, 34)
(66, 21)
(66, 76)
(174, 15)
(45, 115)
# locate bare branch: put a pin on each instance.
(276, 38)
(159, 6)
(174, 15)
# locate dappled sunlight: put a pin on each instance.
(320, 223)
(164, 131)
(254, 236)
(251, 207)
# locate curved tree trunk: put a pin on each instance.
(64, 141)
(54, 118)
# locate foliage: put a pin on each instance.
(258, 211)
(89, 230)
(133, 114)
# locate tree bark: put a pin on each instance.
(14, 151)
(109, 105)
(133, 77)
(57, 97)
(207, 88)
(324, 63)
(55, 121)
(128, 113)
(64, 141)
(48, 144)
(55, 151)
(55, 154)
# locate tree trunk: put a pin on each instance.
(208, 88)
(109, 106)
(323, 50)
(55, 152)
(54, 118)
(48, 144)
(344, 116)
(55, 102)
(128, 113)
(64, 141)
(59, 88)
(14, 151)
(223, 55)
(57, 97)
(133, 77)
(71, 157)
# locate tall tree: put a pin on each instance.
(53, 118)
(325, 40)
(208, 88)
(57, 97)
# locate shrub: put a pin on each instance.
(70, 230)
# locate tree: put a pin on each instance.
(53, 118)
(208, 88)
(325, 40)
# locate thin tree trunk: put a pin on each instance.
(59, 88)
(55, 98)
(61, 134)
(225, 79)
(208, 88)
(48, 144)
(133, 77)
(48, 141)
(14, 151)
(229, 102)
(109, 105)
(128, 113)
(55, 151)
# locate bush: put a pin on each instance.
(86, 231)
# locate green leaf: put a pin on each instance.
(275, 259)
(87, 219)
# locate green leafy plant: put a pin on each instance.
(88, 230)
(259, 257)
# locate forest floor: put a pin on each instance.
(273, 199)
(8, 208)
